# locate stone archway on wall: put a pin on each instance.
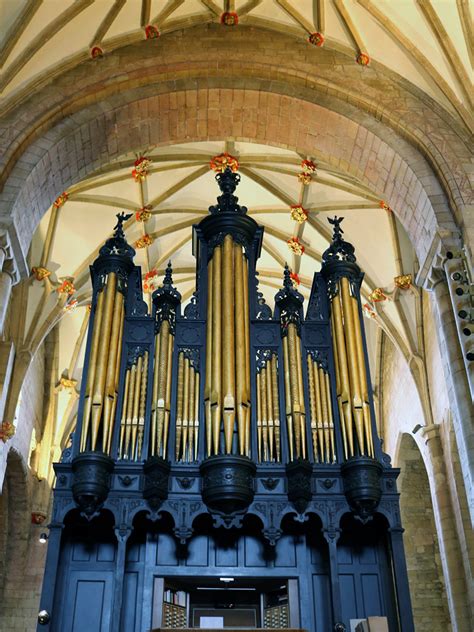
(368, 123)
(14, 524)
(428, 595)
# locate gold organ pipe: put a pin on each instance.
(259, 417)
(312, 404)
(301, 395)
(136, 407)
(111, 368)
(123, 421)
(276, 406)
(92, 366)
(216, 391)
(295, 391)
(349, 331)
(331, 419)
(180, 402)
(208, 381)
(184, 436)
(263, 394)
(344, 374)
(288, 407)
(338, 387)
(141, 413)
(191, 407)
(240, 348)
(102, 356)
(162, 377)
(319, 410)
(196, 415)
(131, 395)
(245, 272)
(169, 366)
(271, 433)
(322, 389)
(116, 377)
(228, 360)
(362, 377)
(154, 398)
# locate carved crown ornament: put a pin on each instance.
(140, 168)
(7, 430)
(295, 246)
(220, 163)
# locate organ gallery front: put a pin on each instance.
(225, 470)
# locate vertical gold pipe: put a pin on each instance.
(362, 376)
(295, 392)
(131, 394)
(116, 378)
(181, 452)
(196, 415)
(192, 384)
(338, 388)
(271, 433)
(228, 324)
(102, 356)
(276, 407)
(301, 395)
(288, 406)
(169, 374)
(123, 421)
(136, 408)
(245, 272)
(216, 391)
(208, 377)
(263, 391)
(319, 411)
(111, 369)
(154, 398)
(141, 413)
(259, 417)
(180, 402)
(331, 419)
(240, 349)
(92, 367)
(324, 403)
(324, 408)
(343, 370)
(162, 376)
(312, 404)
(349, 332)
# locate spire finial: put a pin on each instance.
(336, 222)
(339, 250)
(168, 280)
(227, 202)
(287, 282)
(118, 228)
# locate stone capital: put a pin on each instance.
(431, 270)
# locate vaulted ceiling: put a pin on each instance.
(426, 43)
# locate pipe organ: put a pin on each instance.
(259, 421)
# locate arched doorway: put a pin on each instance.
(430, 607)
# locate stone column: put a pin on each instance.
(8, 276)
(433, 276)
(451, 556)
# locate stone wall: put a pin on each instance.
(430, 607)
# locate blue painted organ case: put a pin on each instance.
(225, 443)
